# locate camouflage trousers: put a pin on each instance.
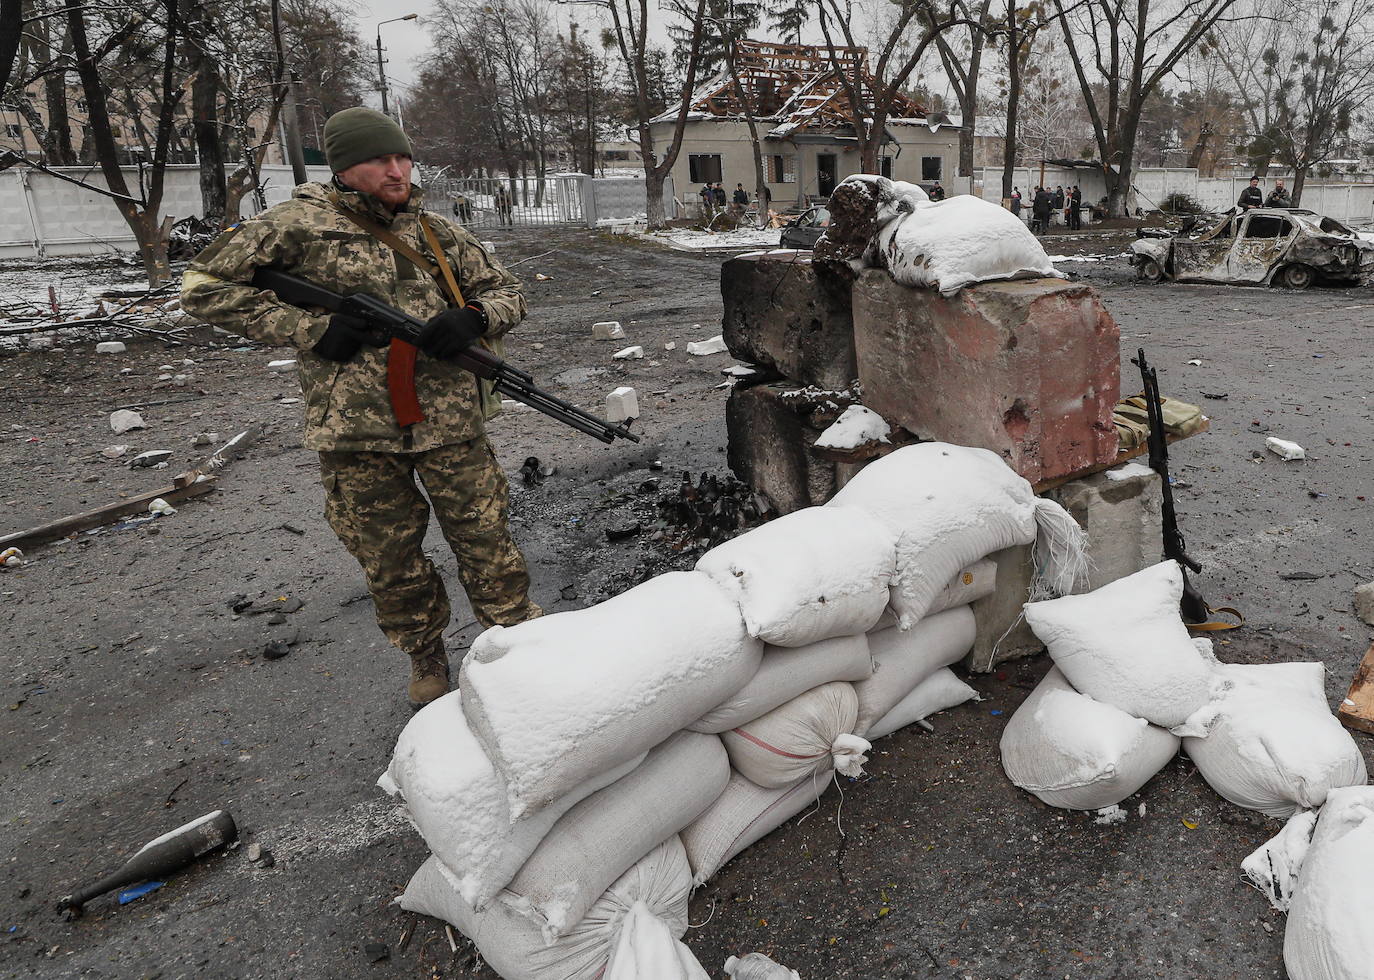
(376, 508)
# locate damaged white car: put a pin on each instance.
(1287, 246)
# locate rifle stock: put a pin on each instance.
(394, 323)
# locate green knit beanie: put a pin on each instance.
(354, 135)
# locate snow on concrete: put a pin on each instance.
(693, 240)
(858, 425)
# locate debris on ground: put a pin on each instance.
(709, 511)
(110, 347)
(1364, 603)
(1357, 707)
(1284, 449)
(608, 330)
(634, 353)
(11, 558)
(622, 404)
(161, 508)
(126, 420)
(152, 458)
(701, 348)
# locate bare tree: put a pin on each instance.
(1328, 78)
(1247, 49)
(873, 91)
(1121, 50)
(630, 32)
(962, 58)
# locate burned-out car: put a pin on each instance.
(1287, 246)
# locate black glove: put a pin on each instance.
(344, 338)
(451, 332)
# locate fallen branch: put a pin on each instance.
(192, 483)
(512, 265)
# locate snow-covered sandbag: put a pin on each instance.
(458, 803)
(800, 737)
(595, 841)
(937, 692)
(756, 966)
(742, 815)
(1272, 743)
(647, 948)
(902, 659)
(1077, 753)
(1274, 866)
(1330, 935)
(953, 243)
(976, 582)
(784, 673)
(814, 574)
(950, 506)
(1125, 644)
(513, 944)
(560, 699)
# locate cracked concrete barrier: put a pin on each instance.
(780, 313)
(1029, 369)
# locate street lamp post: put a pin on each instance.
(381, 63)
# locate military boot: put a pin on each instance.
(428, 675)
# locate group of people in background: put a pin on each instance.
(1045, 203)
(713, 199)
(1253, 197)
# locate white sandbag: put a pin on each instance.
(811, 575)
(1077, 753)
(513, 944)
(1330, 932)
(1274, 866)
(953, 243)
(595, 841)
(1272, 743)
(648, 949)
(741, 815)
(951, 506)
(756, 966)
(937, 692)
(559, 699)
(458, 803)
(1125, 644)
(800, 737)
(784, 673)
(978, 581)
(902, 659)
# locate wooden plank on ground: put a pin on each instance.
(108, 514)
(1357, 710)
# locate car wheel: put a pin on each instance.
(1298, 276)
(1150, 270)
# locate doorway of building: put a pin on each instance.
(825, 173)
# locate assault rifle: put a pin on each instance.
(1193, 607)
(393, 323)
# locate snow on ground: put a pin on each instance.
(1084, 258)
(692, 240)
(76, 281)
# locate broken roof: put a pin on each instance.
(796, 86)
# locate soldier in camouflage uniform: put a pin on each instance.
(368, 461)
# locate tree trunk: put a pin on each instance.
(653, 198)
(1013, 108)
(11, 17)
(1299, 181)
(205, 119)
(59, 147)
(1119, 183)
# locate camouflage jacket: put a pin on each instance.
(347, 406)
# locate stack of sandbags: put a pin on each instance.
(1129, 680)
(598, 762)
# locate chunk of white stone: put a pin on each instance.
(622, 404)
(629, 353)
(608, 330)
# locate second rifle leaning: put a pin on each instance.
(507, 379)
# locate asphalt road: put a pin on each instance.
(135, 699)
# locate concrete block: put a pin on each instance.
(771, 429)
(622, 404)
(1121, 511)
(1029, 369)
(780, 313)
(110, 347)
(281, 367)
(1000, 633)
(608, 330)
(634, 353)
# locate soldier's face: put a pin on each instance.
(385, 178)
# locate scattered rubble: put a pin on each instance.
(1364, 603)
(110, 347)
(608, 330)
(622, 404)
(126, 420)
(629, 353)
(701, 348)
(152, 458)
(1284, 449)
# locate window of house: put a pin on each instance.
(932, 168)
(12, 130)
(781, 168)
(1266, 226)
(252, 132)
(885, 166)
(703, 168)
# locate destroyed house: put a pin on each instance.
(805, 122)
